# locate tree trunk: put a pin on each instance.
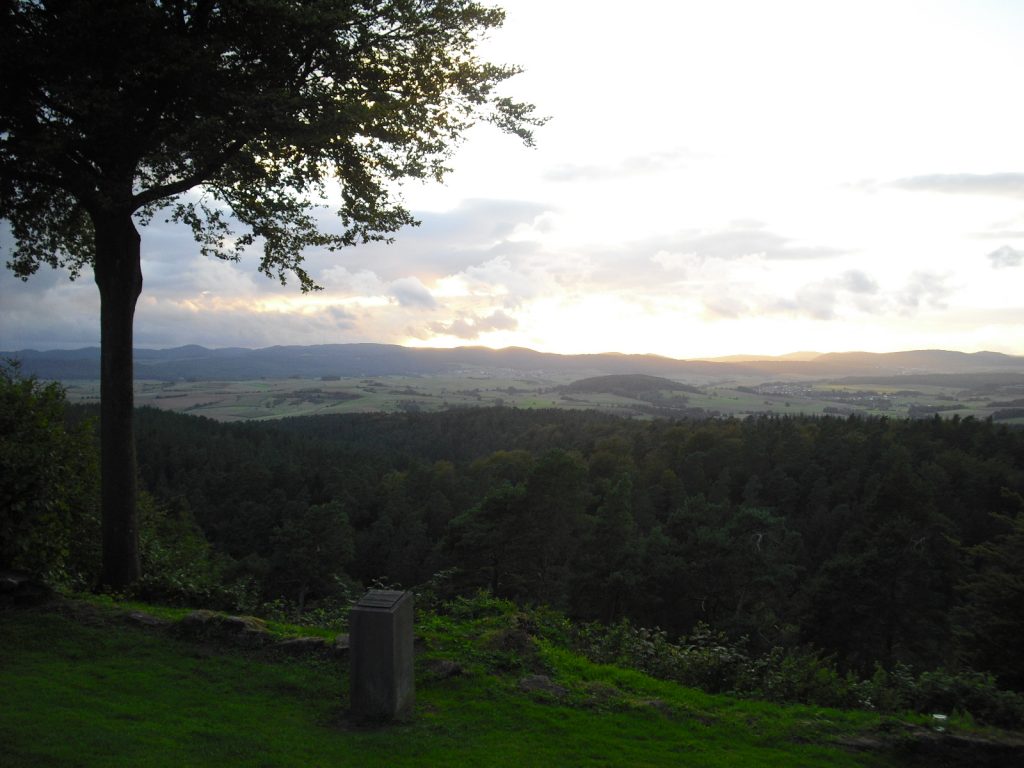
(118, 273)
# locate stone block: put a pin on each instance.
(381, 656)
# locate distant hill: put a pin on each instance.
(628, 385)
(359, 360)
(350, 360)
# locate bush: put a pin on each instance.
(49, 500)
(179, 566)
(971, 692)
(709, 660)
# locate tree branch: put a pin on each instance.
(200, 175)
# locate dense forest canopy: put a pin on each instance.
(876, 540)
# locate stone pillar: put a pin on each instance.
(381, 656)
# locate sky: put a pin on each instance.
(717, 177)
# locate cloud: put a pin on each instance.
(1006, 257)
(168, 324)
(1000, 234)
(445, 243)
(635, 165)
(724, 307)
(513, 283)
(48, 310)
(410, 292)
(746, 238)
(995, 184)
(819, 301)
(339, 280)
(825, 299)
(856, 281)
(471, 326)
(925, 289)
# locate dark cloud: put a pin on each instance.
(48, 311)
(996, 184)
(168, 325)
(410, 292)
(471, 326)
(444, 244)
(1006, 257)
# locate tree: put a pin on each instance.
(113, 110)
(47, 490)
(989, 621)
(312, 546)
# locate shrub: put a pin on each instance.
(800, 675)
(968, 691)
(709, 660)
(49, 521)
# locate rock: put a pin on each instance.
(542, 683)
(443, 669)
(21, 589)
(146, 619)
(245, 630)
(341, 646)
(305, 646)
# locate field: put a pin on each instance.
(277, 398)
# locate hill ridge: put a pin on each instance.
(373, 359)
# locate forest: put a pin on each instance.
(873, 543)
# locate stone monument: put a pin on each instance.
(381, 656)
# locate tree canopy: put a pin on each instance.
(124, 105)
(222, 115)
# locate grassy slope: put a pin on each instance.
(93, 690)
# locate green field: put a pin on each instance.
(81, 686)
(276, 398)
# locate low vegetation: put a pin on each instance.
(84, 684)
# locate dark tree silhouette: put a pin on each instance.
(112, 110)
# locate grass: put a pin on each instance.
(87, 688)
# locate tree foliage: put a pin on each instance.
(220, 114)
(990, 620)
(124, 105)
(48, 504)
